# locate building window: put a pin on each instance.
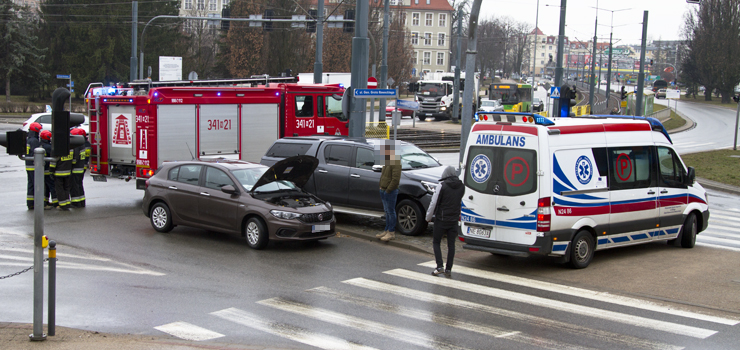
(542, 62)
(428, 1)
(225, 3)
(439, 71)
(428, 19)
(549, 47)
(542, 54)
(201, 5)
(440, 58)
(427, 58)
(188, 4)
(415, 18)
(443, 20)
(441, 39)
(212, 5)
(416, 57)
(414, 38)
(428, 39)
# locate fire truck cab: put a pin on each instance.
(133, 129)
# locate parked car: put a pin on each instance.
(487, 105)
(348, 176)
(660, 93)
(391, 106)
(537, 105)
(261, 203)
(45, 120)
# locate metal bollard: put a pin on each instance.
(52, 286)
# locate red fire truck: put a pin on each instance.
(134, 128)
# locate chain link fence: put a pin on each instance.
(377, 130)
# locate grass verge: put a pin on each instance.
(720, 165)
(675, 121)
(716, 101)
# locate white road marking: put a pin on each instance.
(713, 215)
(286, 331)
(59, 255)
(401, 334)
(188, 331)
(441, 319)
(717, 240)
(62, 264)
(733, 236)
(714, 226)
(717, 246)
(604, 336)
(618, 317)
(603, 297)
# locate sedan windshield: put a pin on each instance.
(414, 158)
(248, 177)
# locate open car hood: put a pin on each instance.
(296, 169)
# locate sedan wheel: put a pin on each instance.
(256, 233)
(160, 217)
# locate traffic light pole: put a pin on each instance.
(360, 52)
(559, 59)
(318, 66)
(641, 76)
(384, 62)
(470, 56)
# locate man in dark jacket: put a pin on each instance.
(445, 207)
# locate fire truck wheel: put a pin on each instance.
(256, 233)
(581, 250)
(161, 218)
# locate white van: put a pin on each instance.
(566, 187)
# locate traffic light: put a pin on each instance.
(567, 100)
(267, 26)
(349, 27)
(225, 13)
(623, 95)
(734, 97)
(61, 122)
(14, 141)
(311, 26)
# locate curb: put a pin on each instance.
(718, 186)
(690, 124)
(370, 236)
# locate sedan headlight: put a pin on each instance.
(431, 187)
(285, 214)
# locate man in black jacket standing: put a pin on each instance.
(445, 207)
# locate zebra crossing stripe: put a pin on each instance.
(717, 240)
(613, 316)
(293, 333)
(402, 334)
(714, 225)
(734, 237)
(626, 341)
(188, 331)
(714, 215)
(442, 319)
(586, 294)
(709, 245)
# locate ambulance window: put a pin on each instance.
(631, 167)
(519, 171)
(189, 174)
(334, 108)
(479, 171)
(671, 169)
(216, 178)
(337, 154)
(602, 163)
(303, 106)
(173, 173)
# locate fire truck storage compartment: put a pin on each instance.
(218, 132)
(175, 132)
(260, 128)
(122, 138)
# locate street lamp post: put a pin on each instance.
(611, 49)
(593, 61)
(534, 56)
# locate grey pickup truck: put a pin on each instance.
(348, 176)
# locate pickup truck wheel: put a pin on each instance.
(161, 218)
(422, 117)
(410, 218)
(256, 233)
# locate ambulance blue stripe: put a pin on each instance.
(559, 173)
(672, 231)
(603, 241)
(560, 201)
(559, 247)
(640, 236)
(672, 197)
(525, 218)
(620, 239)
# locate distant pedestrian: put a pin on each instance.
(32, 142)
(615, 111)
(445, 208)
(390, 177)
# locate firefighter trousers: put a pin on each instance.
(30, 191)
(78, 190)
(50, 193)
(62, 185)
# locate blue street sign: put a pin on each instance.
(555, 92)
(374, 93)
(412, 105)
(71, 85)
(413, 72)
(63, 76)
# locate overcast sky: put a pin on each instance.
(665, 17)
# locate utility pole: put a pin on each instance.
(456, 88)
(534, 55)
(641, 76)
(609, 69)
(134, 35)
(470, 56)
(593, 62)
(559, 60)
(384, 62)
(360, 51)
(318, 67)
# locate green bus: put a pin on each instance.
(514, 97)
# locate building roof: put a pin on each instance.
(537, 31)
(439, 5)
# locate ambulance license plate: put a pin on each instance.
(479, 232)
(320, 228)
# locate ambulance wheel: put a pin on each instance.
(689, 231)
(410, 219)
(256, 233)
(581, 250)
(160, 217)
(422, 117)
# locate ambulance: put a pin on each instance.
(567, 187)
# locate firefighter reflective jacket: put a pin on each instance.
(32, 142)
(82, 157)
(63, 165)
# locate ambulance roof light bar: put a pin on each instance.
(513, 117)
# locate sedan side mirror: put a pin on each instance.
(691, 176)
(377, 168)
(229, 189)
